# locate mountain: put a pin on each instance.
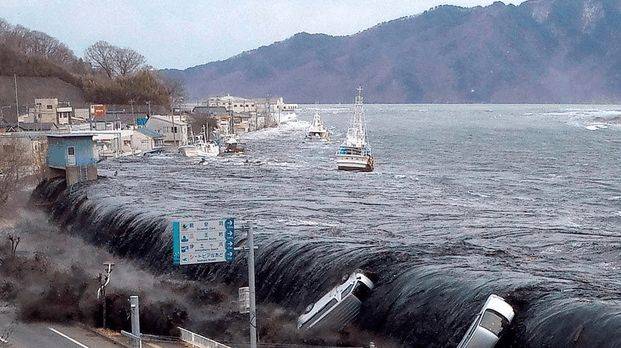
(542, 51)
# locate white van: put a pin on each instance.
(338, 307)
(489, 324)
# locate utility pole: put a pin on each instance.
(149, 105)
(174, 130)
(104, 280)
(135, 318)
(251, 288)
(16, 101)
(131, 103)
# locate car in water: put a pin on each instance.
(339, 306)
(489, 324)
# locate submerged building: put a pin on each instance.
(73, 156)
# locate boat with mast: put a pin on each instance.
(354, 153)
(201, 146)
(317, 129)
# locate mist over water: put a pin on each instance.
(521, 201)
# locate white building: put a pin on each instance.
(146, 140)
(235, 104)
(124, 142)
(173, 128)
(50, 110)
(64, 115)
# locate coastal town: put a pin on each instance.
(133, 130)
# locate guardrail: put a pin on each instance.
(197, 340)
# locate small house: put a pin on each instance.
(146, 140)
(73, 156)
(173, 128)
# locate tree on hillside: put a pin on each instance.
(101, 56)
(114, 61)
(35, 44)
(175, 88)
(127, 61)
(4, 26)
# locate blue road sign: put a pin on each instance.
(203, 241)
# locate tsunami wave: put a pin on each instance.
(420, 299)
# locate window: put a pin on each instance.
(493, 322)
(71, 151)
(49, 107)
(174, 129)
(347, 290)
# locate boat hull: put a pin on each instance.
(318, 136)
(199, 151)
(357, 163)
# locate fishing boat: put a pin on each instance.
(317, 130)
(232, 146)
(200, 147)
(354, 153)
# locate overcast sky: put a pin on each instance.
(184, 33)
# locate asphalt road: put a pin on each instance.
(14, 334)
(52, 336)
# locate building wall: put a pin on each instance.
(57, 151)
(142, 142)
(64, 115)
(166, 129)
(32, 145)
(235, 104)
(75, 174)
(45, 110)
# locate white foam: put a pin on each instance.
(283, 128)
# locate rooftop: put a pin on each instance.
(69, 135)
(168, 119)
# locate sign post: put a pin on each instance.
(207, 242)
(203, 241)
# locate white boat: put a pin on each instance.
(354, 153)
(200, 147)
(317, 130)
(339, 306)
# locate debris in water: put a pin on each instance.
(338, 307)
